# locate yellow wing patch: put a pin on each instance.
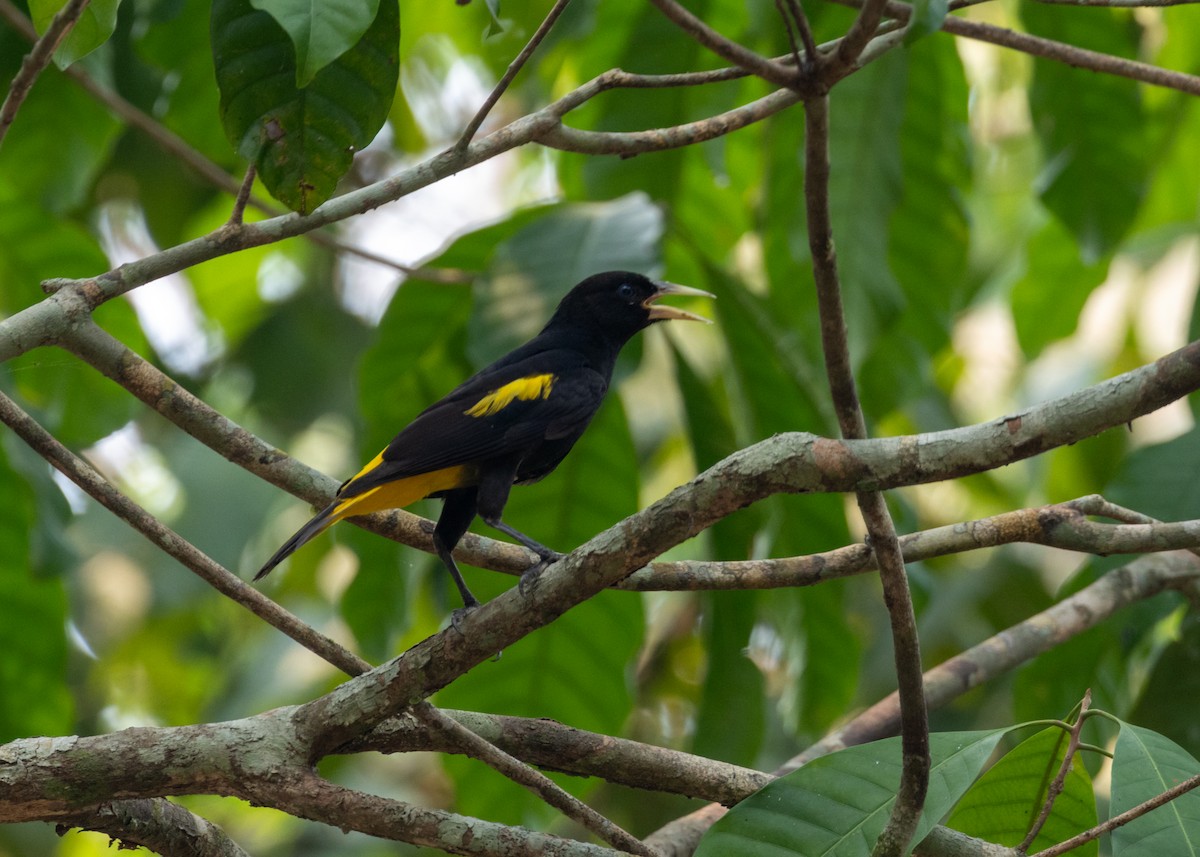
(526, 389)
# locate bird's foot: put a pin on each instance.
(457, 617)
(529, 577)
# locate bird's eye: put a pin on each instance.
(625, 291)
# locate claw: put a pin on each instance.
(529, 577)
(457, 616)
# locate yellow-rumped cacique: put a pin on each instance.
(510, 423)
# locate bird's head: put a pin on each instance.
(621, 303)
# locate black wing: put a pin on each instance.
(505, 410)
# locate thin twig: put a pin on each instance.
(785, 15)
(1060, 779)
(806, 34)
(1122, 819)
(36, 61)
(914, 778)
(241, 198)
(510, 73)
(1052, 50)
(769, 70)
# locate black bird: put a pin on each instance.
(512, 422)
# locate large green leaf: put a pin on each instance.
(91, 30)
(57, 117)
(33, 642)
(1092, 128)
(865, 115)
(1002, 806)
(732, 690)
(777, 389)
(837, 805)
(321, 32)
(1155, 479)
(1145, 764)
(1047, 299)
(301, 139)
(930, 212)
(1176, 676)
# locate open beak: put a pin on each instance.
(664, 313)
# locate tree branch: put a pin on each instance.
(807, 463)
(510, 73)
(303, 793)
(1055, 51)
(475, 746)
(881, 531)
(556, 747)
(157, 825)
(1056, 786)
(1061, 525)
(733, 52)
(1122, 819)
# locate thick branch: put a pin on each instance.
(302, 793)
(556, 747)
(157, 825)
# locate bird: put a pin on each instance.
(511, 423)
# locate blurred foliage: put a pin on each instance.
(1008, 229)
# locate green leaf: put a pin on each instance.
(288, 391)
(1092, 128)
(321, 32)
(33, 643)
(732, 682)
(91, 30)
(837, 805)
(59, 117)
(1176, 676)
(1047, 299)
(531, 271)
(301, 139)
(417, 358)
(866, 112)
(1155, 479)
(1146, 764)
(1009, 797)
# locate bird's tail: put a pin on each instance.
(322, 521)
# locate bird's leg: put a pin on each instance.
(458, 510)
(492, 495)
